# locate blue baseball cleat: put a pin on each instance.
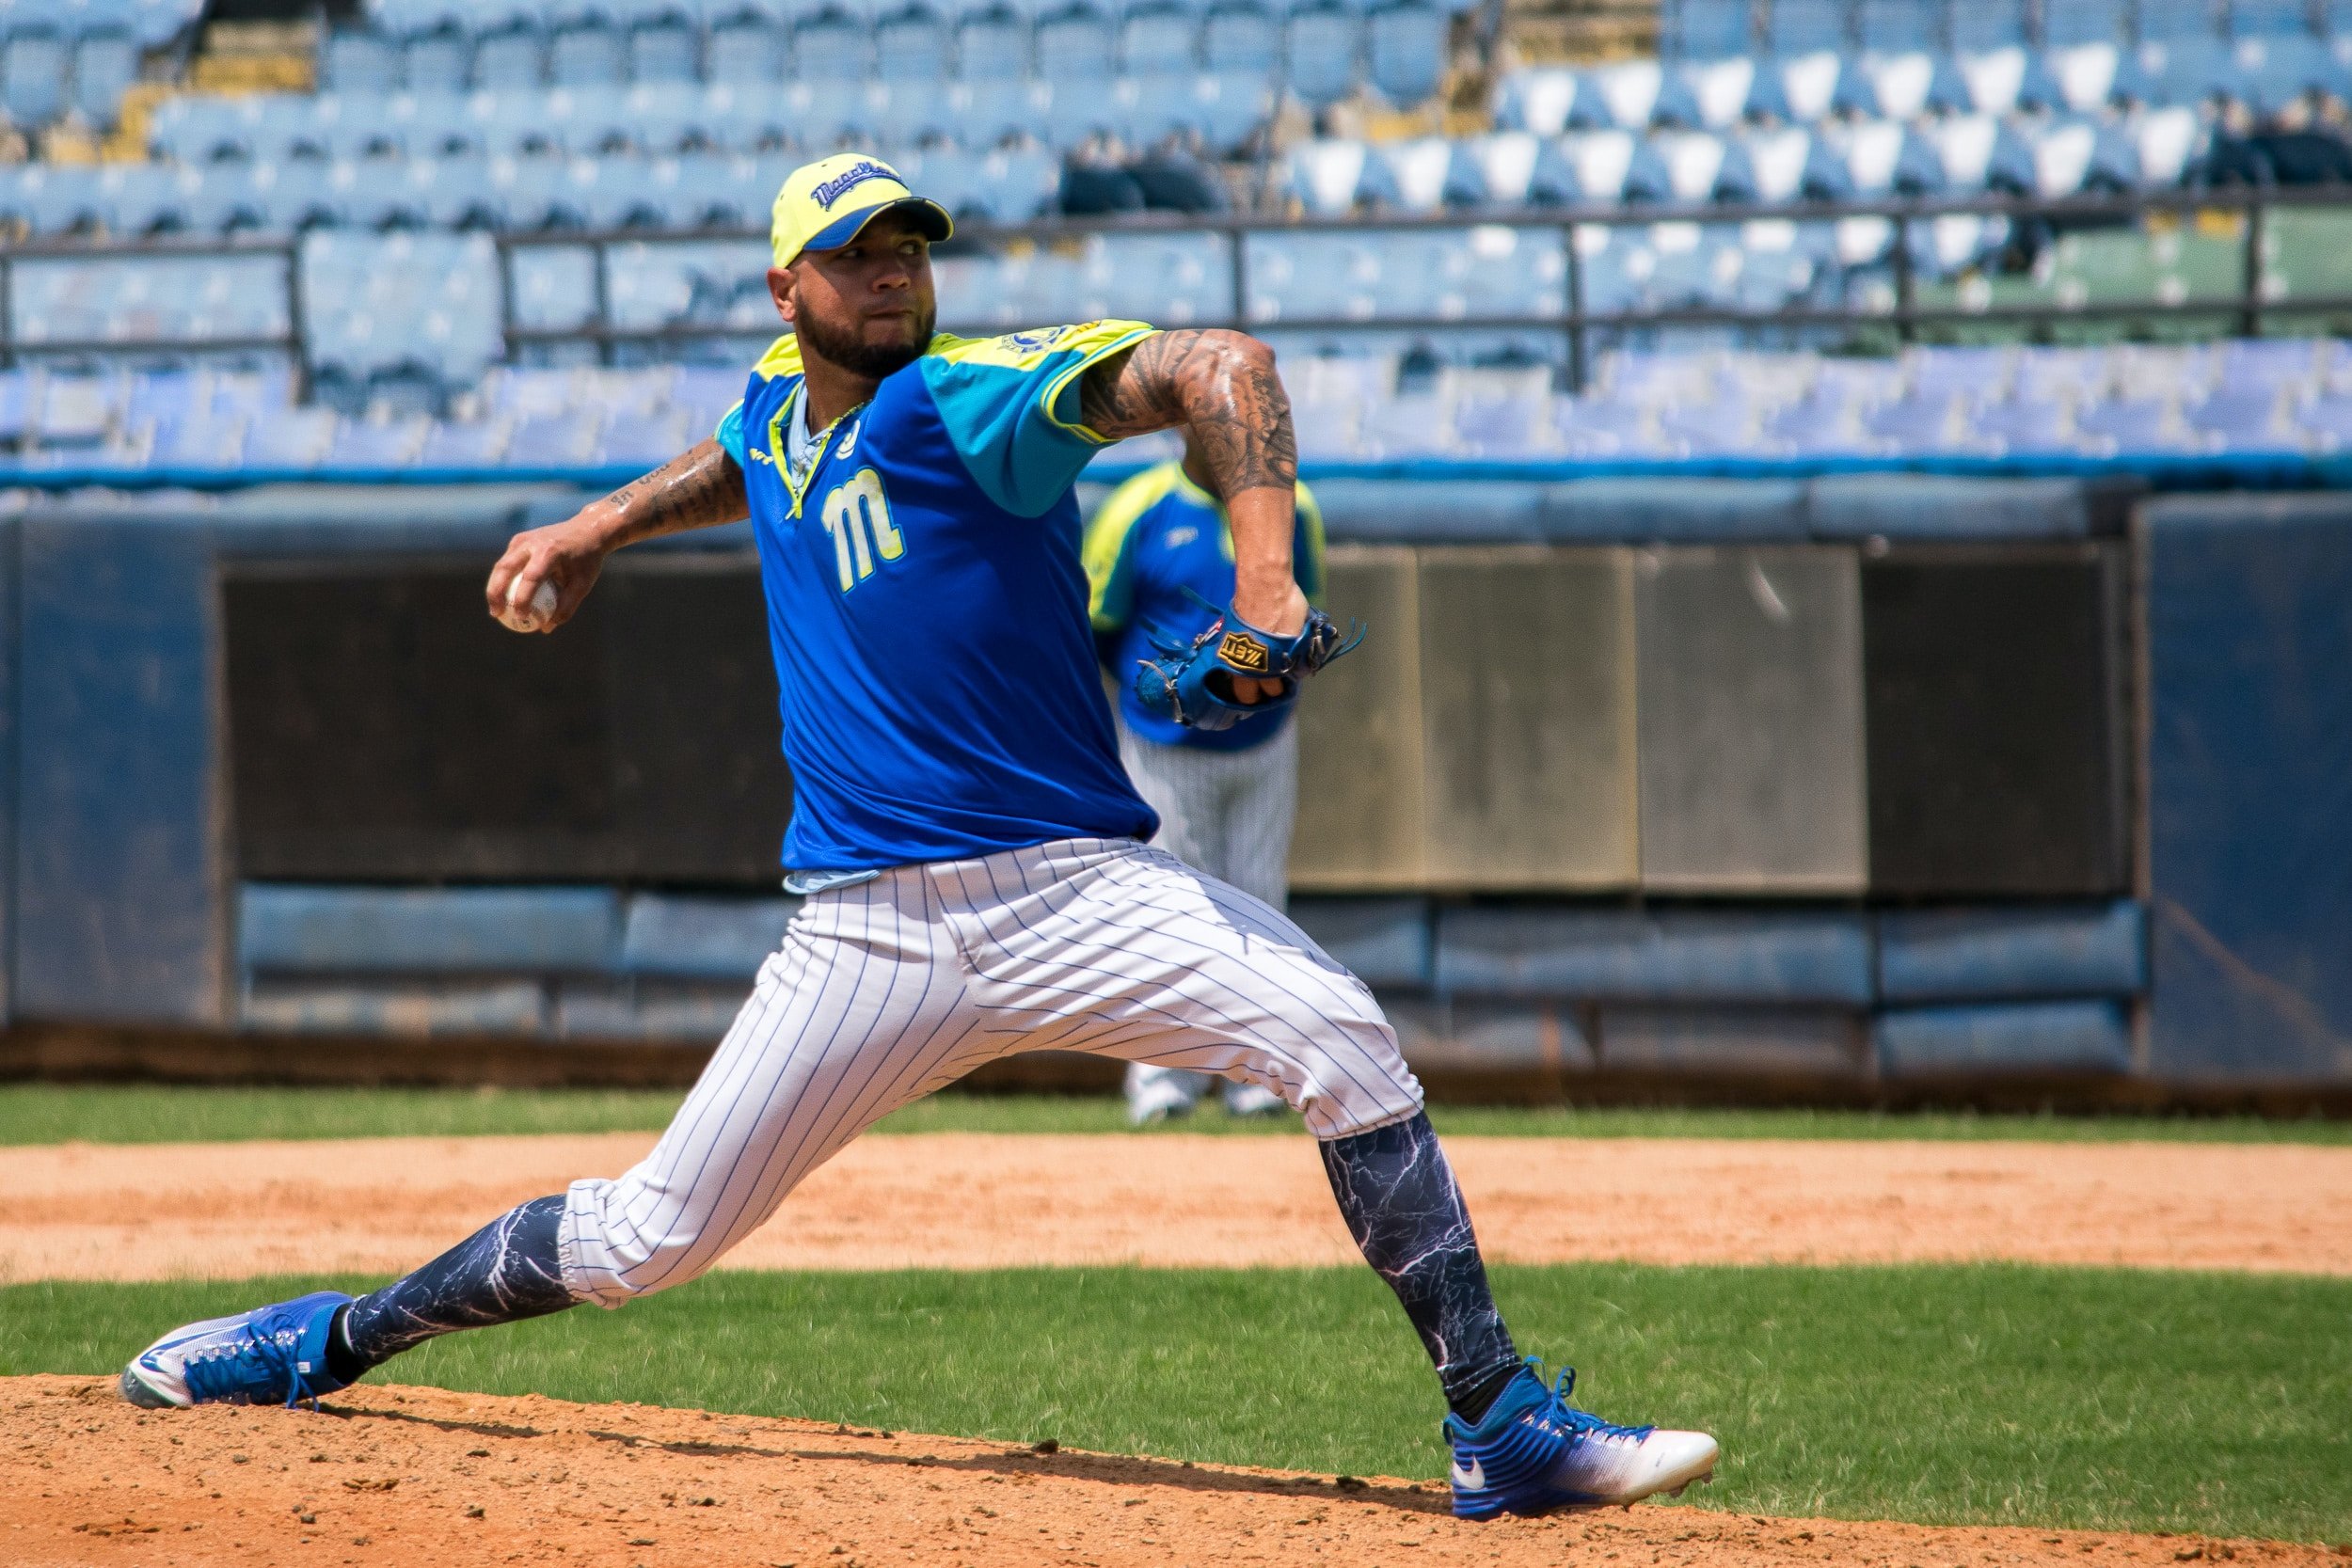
(270, 1355)
(1534, 1452)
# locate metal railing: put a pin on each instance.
(1901, 310)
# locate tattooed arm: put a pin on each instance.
(699, 490)
(1221, 388)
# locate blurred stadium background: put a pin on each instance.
(1849, 496)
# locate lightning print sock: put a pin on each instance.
(505, 1271)
(1396, 1191)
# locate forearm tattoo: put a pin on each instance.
(701, 489)
(1220, 383)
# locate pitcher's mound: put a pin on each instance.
(424, 1478)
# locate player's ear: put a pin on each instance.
(780, 290)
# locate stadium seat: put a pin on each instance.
(358, 60)
(831, 46)
(1538, 99)
(586, 48)
(1795, 27)
(1160, 38)
(1405, 51)
(992, 45)
(1242, 37)
(1801, 89)
(510, 55)
(1718, 92)
(2273, 72)
(2071, 156)
(1614, 165)
(1899, 86)
(747, 48)
(1981, 25)
(1429, 173)
(1707, 29)
(1995, 80)
(436, 60)
(378, 443)
(294, 440)
(1520, 169)
(1074, 44)
(2168, 142)
(664, 48)
(1628, 95)
(33, 78)
(911, 44)
(1702, 166)
(2069, 21)
(1331, 176)
(2087, 78)
(1321, 46)
(1788, 164)
(1977, 152)
(1899, 26)
(105, 63)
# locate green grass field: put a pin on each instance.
(51, 1113)
(2085, 1398)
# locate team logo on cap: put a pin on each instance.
(840, 184)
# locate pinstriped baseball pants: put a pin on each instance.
(885, 990)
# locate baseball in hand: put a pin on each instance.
(542, 605)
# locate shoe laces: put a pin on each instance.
(212, 1373)
(1583, 1424)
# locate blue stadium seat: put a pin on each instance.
(1241, 37)
(2273, 72)
(586, 48)
(832, 45)
(358, 60)
(1405, 51)
(510, 55)
(33, 78)
(2065, 22)
(1805, 27)
(1979, 26)
(1977, 152)
(1074, 44)
(1995, 80)
(1538, 99)
(1520, 169)
(1332, 176)
(665, 48)
(2071, 156)
(1160, 37)
(910, 43)
(1702, 166)
(1899, 26)
(194, 443)
(1800, 89)
(1321, 43)
(747, 48)
(1786, 163)
(1901, 87)
(1429, 173)
(1719, 92)
(295, 440)
(2087, 78)
(1635, 95)
(59, 199)
(1707, 30)
(2252, 18)
(436, 60)
(378, 444)
(2169, 143)
(106, 64)
(1614, 165)
(992, 45)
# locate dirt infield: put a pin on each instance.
(432, 1479)
(972, 1200)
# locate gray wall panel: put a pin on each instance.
(1527, 693)
(1751, 720)
(1359, 733)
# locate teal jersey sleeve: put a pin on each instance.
(1010, 405)
(730, 434)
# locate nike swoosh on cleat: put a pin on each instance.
(1471, 1479)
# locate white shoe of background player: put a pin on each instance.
(1252, 1099)
(1157, 1094)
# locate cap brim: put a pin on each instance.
(936, 225)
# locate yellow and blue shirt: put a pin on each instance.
(1153, 538)
(927, 606)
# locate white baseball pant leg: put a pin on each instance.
(1228, 814)
(888, 990)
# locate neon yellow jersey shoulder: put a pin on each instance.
(783, 359)
(1010, 406)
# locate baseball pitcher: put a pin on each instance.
(978, 868)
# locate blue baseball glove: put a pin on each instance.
(1193, 682)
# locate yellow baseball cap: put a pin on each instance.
(825, 203)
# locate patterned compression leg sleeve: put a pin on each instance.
(506, 1271)
(1397, 1194)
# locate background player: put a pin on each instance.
(974, 855)
(1157, 552)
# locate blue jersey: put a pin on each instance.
(927, 606)
(1152, 539)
